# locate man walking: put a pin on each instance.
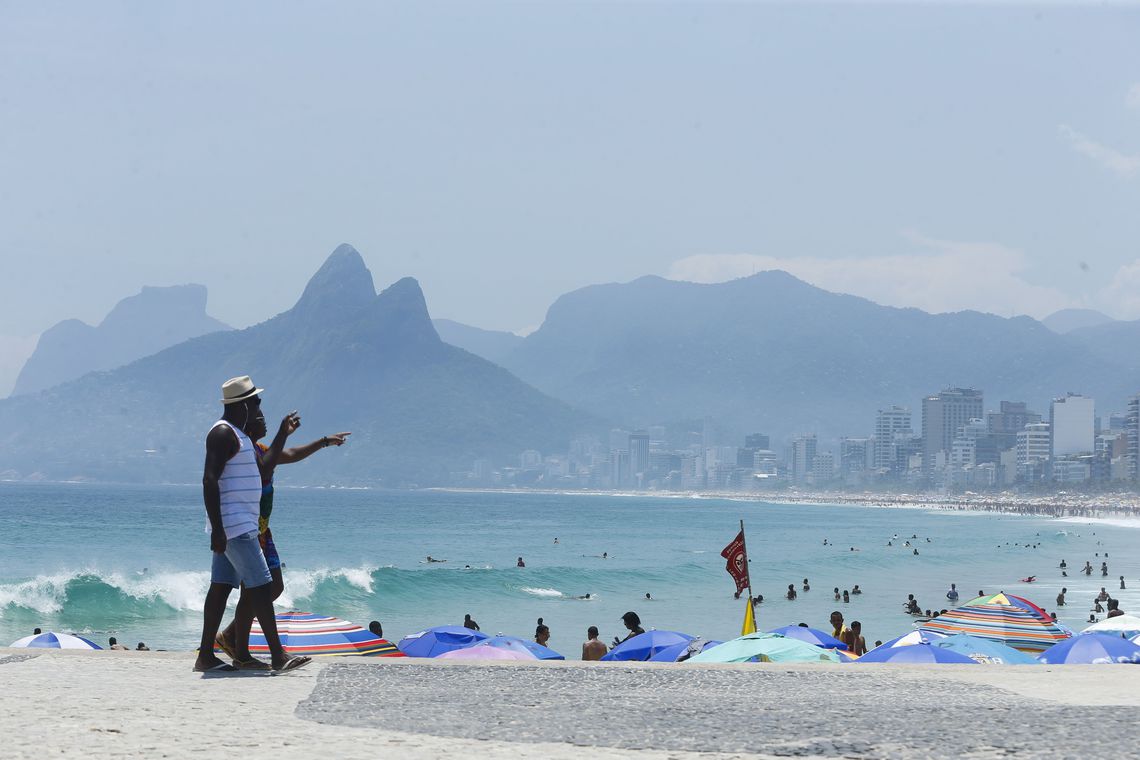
(231, 490)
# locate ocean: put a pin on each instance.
(133, 561)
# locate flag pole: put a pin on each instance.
(747, 569)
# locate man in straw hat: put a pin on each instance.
(231, 489)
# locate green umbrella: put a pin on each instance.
(765, 647)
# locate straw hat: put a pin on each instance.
(239, 389)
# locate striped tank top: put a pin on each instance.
(240, 487)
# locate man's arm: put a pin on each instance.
(296, 454)
(221, 445)
(272, 456)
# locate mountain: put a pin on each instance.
(774, 354)
(138, 326)
(492, 345)
(1067, 320)
(345, 357)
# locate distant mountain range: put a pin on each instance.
(492, 345)
(138, 326)
(774, 354)
(347, 358)
(1067, 320)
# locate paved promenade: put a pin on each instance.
(149, 704)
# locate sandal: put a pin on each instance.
(293, 663)
(252, 664)
(221, 643)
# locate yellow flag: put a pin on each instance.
(749, 620)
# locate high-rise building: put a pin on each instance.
(890, 425)
(1072, 425)
(639, 451)
(756, 441)
(854, 455)
(802, 457)
(1033, 451)
(1012, 418)
(1132, 429)
(942, 415)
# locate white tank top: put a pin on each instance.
(240, 488)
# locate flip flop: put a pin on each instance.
(221, 643)
(221, 667)
(252, 664)
(293, 663)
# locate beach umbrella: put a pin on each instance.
(645, 645)
(53, 640)
(1126, 626)
(984, 651)
(810, 635)
(1092, 649)
(683, 649)
(1001, 618)
(309, 634)
(510, 642)
(912, 638)
(1011, 599)
(436, 641)
(923, 653)
(485, 650)
(765, 647)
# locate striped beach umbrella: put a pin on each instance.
(53, 640)
(306, 633)
(1003, 619)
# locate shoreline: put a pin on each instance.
(1086, 506)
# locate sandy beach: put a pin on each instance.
(128, 704)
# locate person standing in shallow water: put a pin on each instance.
(231, 490)
(593, 649)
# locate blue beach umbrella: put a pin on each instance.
(912, 638)
(984, 651)
(810, 635)
(1091, 649)
(675, 652)
(509, 642)
(645, 645)
(53, 640)
(442, 638)
(920, 653)
(765, 647)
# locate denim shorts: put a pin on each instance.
(243, 563)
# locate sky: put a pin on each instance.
(943, 156)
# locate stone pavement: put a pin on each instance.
(837, 711)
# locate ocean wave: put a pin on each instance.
(88, 588)
(548, 592)
(1116, 522)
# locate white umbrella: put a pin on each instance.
(53, 640)
(1122, 625)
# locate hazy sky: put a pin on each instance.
(939, 156)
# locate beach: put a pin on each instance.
(150, 704)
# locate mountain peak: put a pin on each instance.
(342, 284)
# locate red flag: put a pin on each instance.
(737, 565)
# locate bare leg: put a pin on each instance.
(239, 642)
(212, 612)
(261, 599)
